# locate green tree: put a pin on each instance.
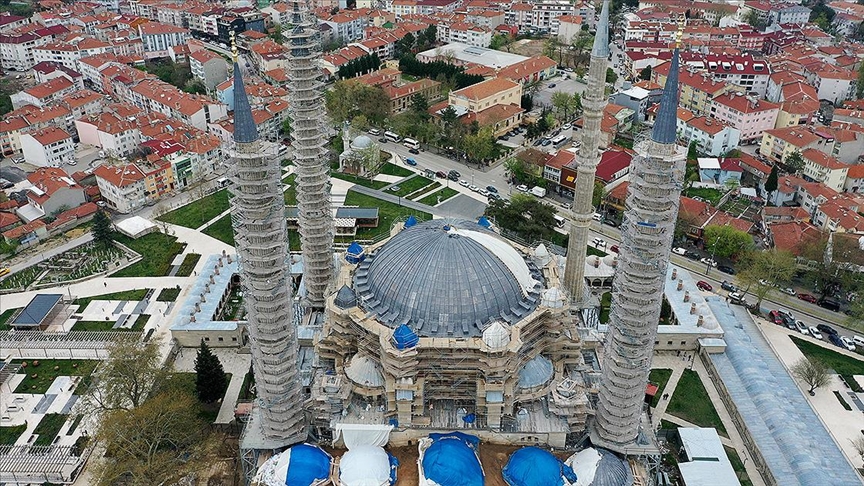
(6, 104)
(812, 372)
(480, 146)
(773, 267)
(753, 19)
(576, 103)
(822, 22)
(360, 123)
(124, 380)
(420, 106)
(727, 242)
(102, 234)
(692, 151)
(519, 170)
(347, 99)
(210, 379)
(794, 162)
(405, 45)
(527, 101)
(611, 77)
(286, 127)
(500, 42)
(276, 34)
(527, 216)
(645, 73)
(859, 88)
(771, 182)
(563, 103)
(195, 86)
(597, 195)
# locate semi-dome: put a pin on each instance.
(361, 142)
(447, 278)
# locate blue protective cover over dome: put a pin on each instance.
(411, 221)
(307, 465)
(354, 248)
(484, 222)
(404, 337)
(532, 466)
(451, 460)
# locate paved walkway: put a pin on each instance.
(237, 364)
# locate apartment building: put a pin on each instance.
(47, 147)
(116, 136)
(122, 187)
(821, 167)
(208, 67)
(159, 38)
(713, 137)
(749, 115)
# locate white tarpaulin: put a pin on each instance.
(584, 463)
(364, 466)
(363, 434)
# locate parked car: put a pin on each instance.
(545, 142)
(847, 343)
(775, 317)
(522, 188)
(691, 254)
(493, 196)
(708, 261)
(491, 189)
(728, 286)
(464, 183)
(383, 139)
(807, 298)
(453, 175)
(4, 271)
(703, 285)
(802, 328)
(598, 242)
(788, 291)
(410, 161)
(827, 329)
(614, 248)
(726, 269)
(790, 324)
(537, 142)
(679, 251)
(413, 151)
(567, 126)
(737, 298)
(786, 313)
(829, 304)
(551, 85)
(474, 188)
(836, 341)
(858, 340)
(440, 174)
(815, 332)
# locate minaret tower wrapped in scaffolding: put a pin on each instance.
(261, 239)
(593, 103)
(306, 110)
(656, 178)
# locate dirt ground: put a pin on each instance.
(492, 457)
(527, 47)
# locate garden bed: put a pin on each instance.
(48, 428)
(128, 295)
(691, 402)
(74, 264)
(360, 181)
(423, 191)
(387, 213)
(409, 186)
(188, 265)
(168, 295)
(222, 230)
(8, 435)
(395, 170)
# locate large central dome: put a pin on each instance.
(447, 278)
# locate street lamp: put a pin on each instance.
(713, 253)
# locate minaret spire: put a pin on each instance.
(593, 103)
(656, 179)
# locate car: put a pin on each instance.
(785, 313)
(503, 138)
(737, 298)
(483, 192)
(858, 340)
(691, 254)
(440, 174)
(836, 341)
(493, 196)
(73, 162)
(537, 142)
(4, 184)
(788, 291)
(410, 161)
(383, 139)
(546, 143)
(847, 343)
(4, 271)
(829, 304)
(473, 187)
(765, 283)
(807, 298)
(413, 151)
(815, 332)
(611, 222)
(679, 251)
(614, 248)
(567, 126)
(598, 242)
(491, 189)
(597, 217)
(522, 188)
(708, 261)
(703, 285)
(728, 286)
(775, 317)
(567, 206)
(18, 160)
(374, 132)
(826, 329)
(464, 183)
(551, 85)
(454, 173)
(790, 324)
(802, 328)
(726, 269)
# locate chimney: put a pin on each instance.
(192, 319)
(212, 280)
(693, 308)
(699, 321)
(197, 307)
(203, 299)
(216, 269)
(686, 296)
(674, 274)
(680, 284)
(229, 258)
(596, 262)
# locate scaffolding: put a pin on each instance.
(306, 110)
(587, 159)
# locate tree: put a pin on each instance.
(210, 378)
(480, 146)
(611, 77)
(597, 195)
(771, 182)
(812, 372)
(727, 242)
(420, 106)
(286, 127)
(124, 380)
(822, 22)
(158, 442)
(646, 73)
(276, 34)
(346, 99)
(563, 103)
(525, 215)
(405, 45)
(794, 162)
(753, 19)
(519, 170)
(102, 234)
(500, 42)
(859, 88)
(360, 123)
(527, 101)
(692, 151)
(576, 103)
(773, 267)
(858, 445)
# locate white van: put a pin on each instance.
(596, 217)
(374, 131)
(858, 340)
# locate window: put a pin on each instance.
(220, 339)
(669, 343)
(207, 339)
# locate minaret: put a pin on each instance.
(306, 110)
(593, 103)
(656, 178)
(261, 239)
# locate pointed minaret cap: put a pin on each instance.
(665, 126)
(245, 130)
(601, 38)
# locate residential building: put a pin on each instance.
(530, 70)
(569, 27)
(492, 92)
(159, 38)
(698, 89)
(10, 23)
(788, 14)
(44, 94)
(53, 192)
(821, 167)
(47, 147)
(719, 171)
(122, 187)
(749, 115)
(465, 33)
(713, 137)
(779, 143)
(832, 83)
(840, 216)
(158, 177)
(68, 51)
(208, 67)
(545, 14)
(749, 73)
(116, 136)
(855, 179)
(637, 99)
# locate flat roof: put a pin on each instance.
(291, 212)
(708, 464)
(37, 310)
(474, 54)
(212, 292)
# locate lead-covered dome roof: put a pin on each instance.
(447, 278)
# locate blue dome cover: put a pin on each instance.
(354, 248)
(451, 460)
(404, 337)
(307, 465)
(354, 254)
(532, 466)
(411, 221)
(484, 222)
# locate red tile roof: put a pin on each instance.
(119, 176)
(612, 162)
(19, 231)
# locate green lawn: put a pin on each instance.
(360, 180)
(168, 295)
(138, 326)
(8, 435)
(423, 191)
(157, 251)
(738, 466)
(136, 294)
(221, 230)
(39, 378)
(410, 185)
(667, 425)
(843, 365)
(48, 428)
(395, 170)
(711, 195)
(387, 213)
(5, 317)
(198, 212)
(690, 402)
(444, 194)
(290, 195)
(659, 377)
(188, 265)
(591, 251)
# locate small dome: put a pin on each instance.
(552, 298)
(496, 336)
(361, 142)
(541, 255)
(610, 260)
(536, 372)
(364, 371)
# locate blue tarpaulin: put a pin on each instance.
(394, 466)
(469, 419)
(532, 466)
(411, 221)
(404, 337)
(451, 460)
(484, 222)
(307, 465)
(354, 253)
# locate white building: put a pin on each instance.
(208, 67)
(789, 14)
(465, 33)
(544, 16)
(115, 136)
(48, 147)
(712, 137)
(159, 38)
(122, 187)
